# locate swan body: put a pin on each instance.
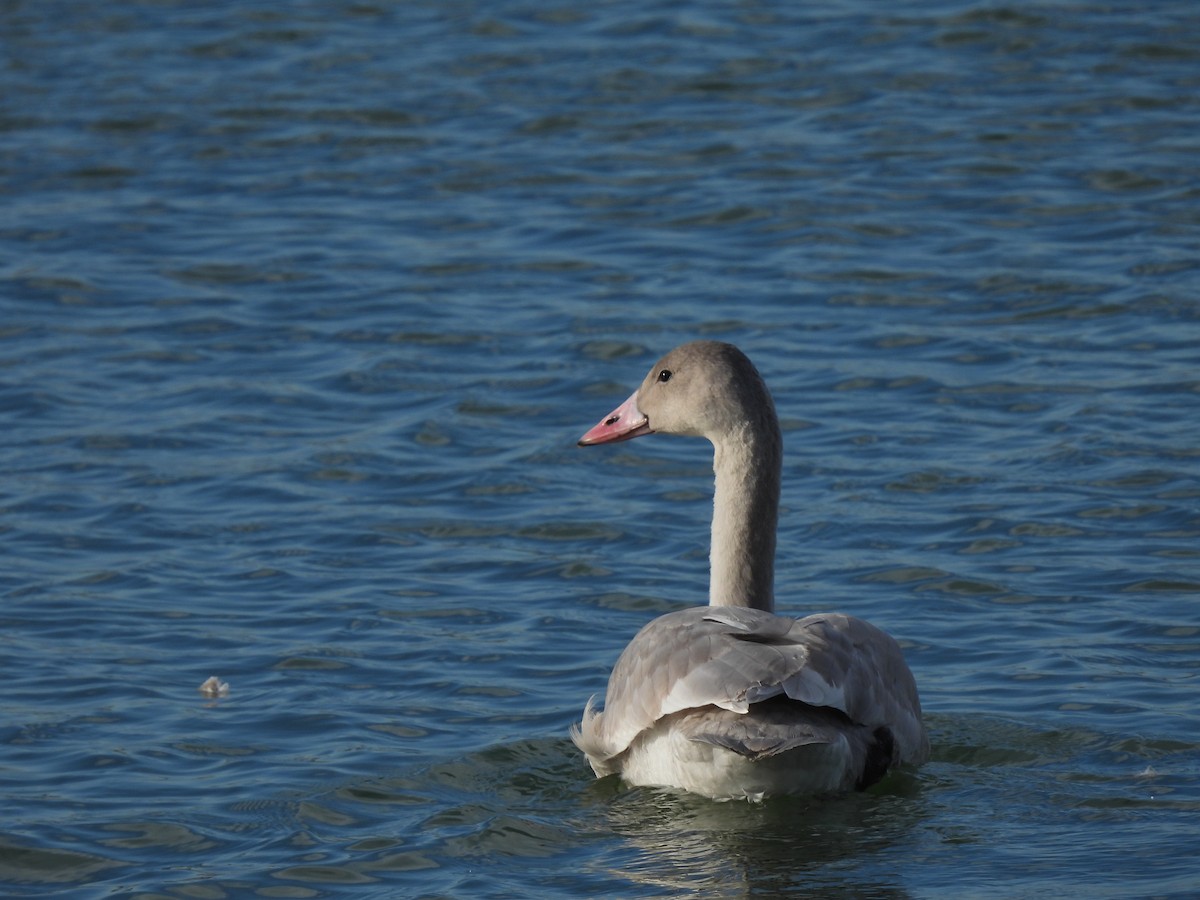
(731, 700)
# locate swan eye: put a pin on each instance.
(664, 376)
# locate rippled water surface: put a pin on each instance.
(303, 306)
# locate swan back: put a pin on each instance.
(734, 658)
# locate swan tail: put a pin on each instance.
(586, 735)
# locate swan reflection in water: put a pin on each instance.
(839, 846)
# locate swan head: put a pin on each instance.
(703, 389)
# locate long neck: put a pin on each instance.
(745, 516)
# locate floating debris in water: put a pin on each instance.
(215, 687)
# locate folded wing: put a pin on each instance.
(736, 659)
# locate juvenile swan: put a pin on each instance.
(731, 700)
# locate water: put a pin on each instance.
(302, 309)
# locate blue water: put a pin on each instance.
(303, 306)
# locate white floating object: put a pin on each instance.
(215, 687)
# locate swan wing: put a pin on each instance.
(732, 658)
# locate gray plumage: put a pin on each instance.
(841, 675)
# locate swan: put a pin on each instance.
(730, 700)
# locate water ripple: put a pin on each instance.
(305, 309)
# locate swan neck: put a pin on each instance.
(746, 466)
